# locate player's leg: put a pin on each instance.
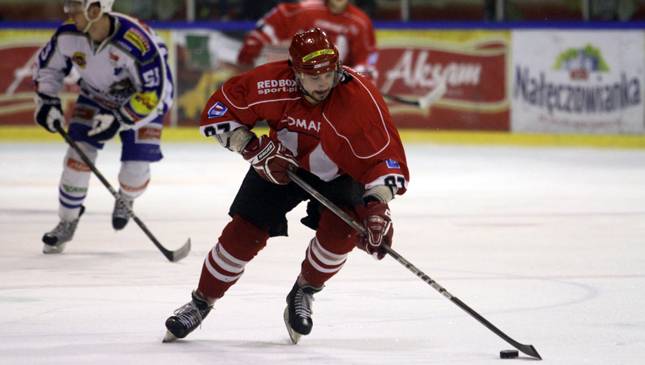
(325, 255)
(139, 148)
(258, 213)
(74, 181)
(134, 177)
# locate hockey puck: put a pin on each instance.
(508, 354)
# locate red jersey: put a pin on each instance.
(351, 31)
(351, 132)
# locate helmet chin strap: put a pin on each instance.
(90, 22)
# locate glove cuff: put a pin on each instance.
(47, 99)
(380, 193)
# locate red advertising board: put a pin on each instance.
(472, 65)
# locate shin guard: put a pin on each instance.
(74, 182)
(328, 250)
(224, 265)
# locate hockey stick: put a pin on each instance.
(527, 349)
(425, 101)
(172, 256)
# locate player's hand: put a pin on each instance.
(250, 51)
(270, 159)
(104, 127)
(48, 112)
(378, 226)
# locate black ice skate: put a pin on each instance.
(54, 240)
(187, 318)
(297, 314)
(120, 214)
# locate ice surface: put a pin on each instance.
(548, 244)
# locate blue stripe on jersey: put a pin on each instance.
(47, 51)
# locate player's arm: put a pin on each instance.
(48, 75)
(372, 153)
(147, 103)
(364, 53)
(229, 116)
(271, 29)
(391, 179)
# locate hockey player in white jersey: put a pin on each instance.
(125, 88)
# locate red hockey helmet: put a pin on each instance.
(312, 52)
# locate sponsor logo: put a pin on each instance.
(315, 54)
(217, 110)
(79, 59)
(138, 40)
(265, 152)
(77, 165)
(321, 65)
(144, 103)
(391, 164)
(145, 133)
(74, 189)
(274, 86)
(581, 62)
(298, 123)
(583, 94)
(114, 57)
(416, 70)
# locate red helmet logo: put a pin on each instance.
(311, 52)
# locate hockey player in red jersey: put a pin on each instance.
(331, 125)
(348, 27)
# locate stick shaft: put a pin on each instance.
(527, 349)
(167, 253)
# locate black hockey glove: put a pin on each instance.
(48, 111)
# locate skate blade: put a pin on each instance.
(169, 337)
(48, 249)
(295, 336)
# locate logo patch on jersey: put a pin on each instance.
(274, 86)
(148, 134)
(79, 59)
(391, 164)
(137, 39)
(297, 123)
(144, 103)
(217, 110)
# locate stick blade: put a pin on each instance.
(529, 350)
(180, 253)
(430, 98)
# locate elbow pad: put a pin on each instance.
(235, 140)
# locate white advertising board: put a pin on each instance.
(582, 81)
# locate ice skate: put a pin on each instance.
(120, 214)
(187, 318)
(55, 240)
(297, 314)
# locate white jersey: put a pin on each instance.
(127, 72)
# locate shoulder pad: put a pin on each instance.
(134, 39)
(67, 27)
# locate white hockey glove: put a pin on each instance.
(104, 127)
(48, 111)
